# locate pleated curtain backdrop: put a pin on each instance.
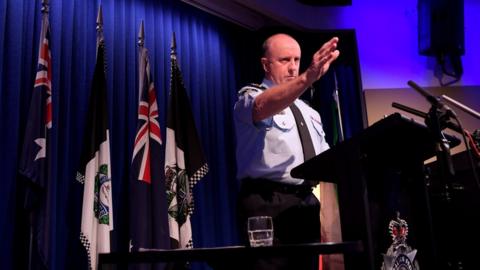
(206, 49)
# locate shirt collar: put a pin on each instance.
(267, 83)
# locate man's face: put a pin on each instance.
(282, 59)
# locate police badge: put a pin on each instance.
(400, 256)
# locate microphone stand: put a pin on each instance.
(436, 120)
(410, 110)
(468, 149)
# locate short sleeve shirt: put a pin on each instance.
(271, 148)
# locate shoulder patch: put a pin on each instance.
(259, 86)
(253, 87)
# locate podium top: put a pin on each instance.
(228, 253)
(395, 138)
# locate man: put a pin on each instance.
(269, 121)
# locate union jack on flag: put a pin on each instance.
(44, 76)
(148, 203)
(40, 115)
(147, 125)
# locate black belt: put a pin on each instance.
(266, 185)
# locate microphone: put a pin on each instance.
(432, 99)
(462, 106)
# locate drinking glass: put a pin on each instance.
(260, 231)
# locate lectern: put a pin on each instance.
(379, 173)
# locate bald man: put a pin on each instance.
(269, 119)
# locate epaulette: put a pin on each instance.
(252, 87)
(259, 86)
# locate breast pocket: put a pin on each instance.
(279, 137)
(283, 121)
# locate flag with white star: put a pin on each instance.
(35, 159)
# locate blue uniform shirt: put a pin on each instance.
(271, 148)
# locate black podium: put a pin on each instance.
(380, 172)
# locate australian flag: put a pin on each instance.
(36, 154)
(185, 163)
(148, 204)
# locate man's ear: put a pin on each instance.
(264, 62)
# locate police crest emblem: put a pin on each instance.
(399, 256)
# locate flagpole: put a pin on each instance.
(100, 19)
(99, 26)
(45, 8)
(45, 11)
(141, 35)
(141, 59)
(173, 48)
(95, 162)
(338, 111)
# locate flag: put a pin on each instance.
(35, 162)
(185, 163)
(94, 170)
(148, 203)
(330, 228)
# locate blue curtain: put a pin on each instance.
(206, 49)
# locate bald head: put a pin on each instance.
(278, 41)
(281, 58)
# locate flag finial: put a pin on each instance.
(141, 35)
(100, 19)
(45, 8)
(173, 48)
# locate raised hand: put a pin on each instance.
(322, 59)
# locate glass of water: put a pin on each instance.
(260, 231)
